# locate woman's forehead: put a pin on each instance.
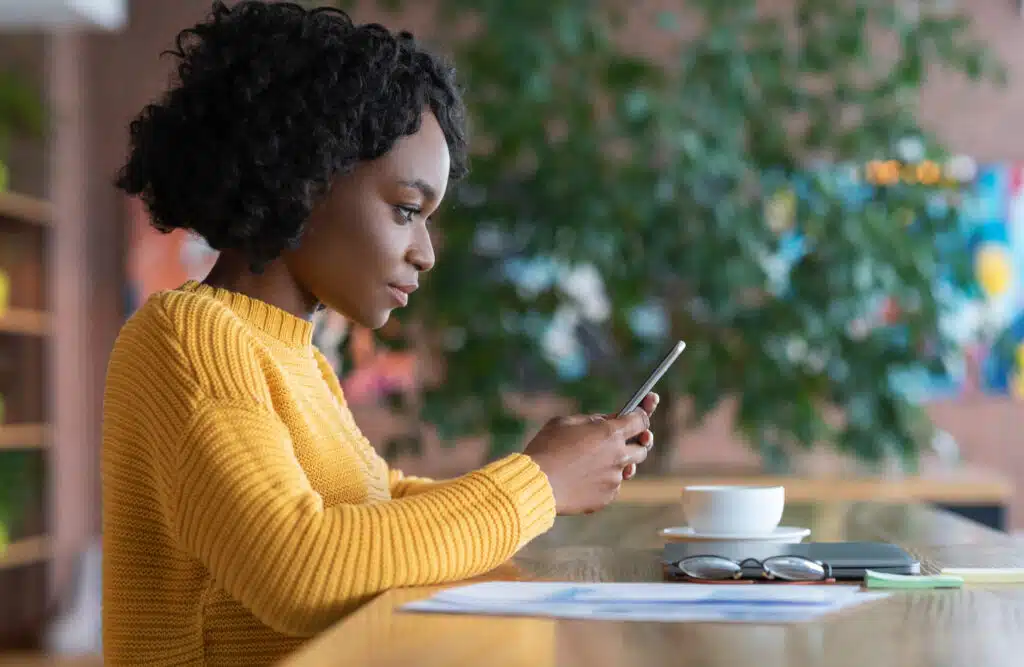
(420, 160)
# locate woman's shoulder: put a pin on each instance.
(186, 337)
(186, 317)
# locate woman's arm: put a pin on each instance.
(244, 507)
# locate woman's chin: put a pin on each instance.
(373, 317)
(375, 320)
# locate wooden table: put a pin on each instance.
(974, 626)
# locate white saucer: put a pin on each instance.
(781, 535)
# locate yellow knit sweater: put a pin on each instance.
(243, 510)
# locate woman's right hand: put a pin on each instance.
(584, 457)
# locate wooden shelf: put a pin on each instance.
(28, 551)
(25, 209)
(24, 436)
(21, 320)
(967, 485)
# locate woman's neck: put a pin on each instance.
(275, 285)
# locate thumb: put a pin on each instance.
(631, 425)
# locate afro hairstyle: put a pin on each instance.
(271, 102)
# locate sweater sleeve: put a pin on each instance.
(245, 509)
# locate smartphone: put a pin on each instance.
(645, 389)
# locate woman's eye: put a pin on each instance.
(406, 213)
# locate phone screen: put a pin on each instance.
(645, 389)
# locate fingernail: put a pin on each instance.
(657, 399)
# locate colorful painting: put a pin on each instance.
(987, 321)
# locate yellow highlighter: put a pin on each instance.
(987, 575)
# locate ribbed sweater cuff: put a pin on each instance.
(528, 487)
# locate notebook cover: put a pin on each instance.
(848, 560)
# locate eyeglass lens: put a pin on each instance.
(710, 567)
(789, 568)
(794, 568)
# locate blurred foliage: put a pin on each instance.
(657, 175)
(21, 473)
(21, 109)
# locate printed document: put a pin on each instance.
(667, 602)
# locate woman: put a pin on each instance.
(243, 508)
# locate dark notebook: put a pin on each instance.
(848, 560)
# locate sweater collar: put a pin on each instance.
(269, 319)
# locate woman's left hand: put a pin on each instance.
(648, 405)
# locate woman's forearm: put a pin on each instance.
(246, 510)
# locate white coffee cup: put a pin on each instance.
(733, 510)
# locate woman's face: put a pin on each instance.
(366, 243)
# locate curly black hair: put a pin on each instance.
(271, 102)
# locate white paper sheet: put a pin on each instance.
(659, 602)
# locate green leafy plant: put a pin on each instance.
(21, 109)
(20, 474)
(656, 180)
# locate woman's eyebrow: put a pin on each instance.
(425, 188)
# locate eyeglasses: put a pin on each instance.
(786, 568)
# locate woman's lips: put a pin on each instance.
(401, 293)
